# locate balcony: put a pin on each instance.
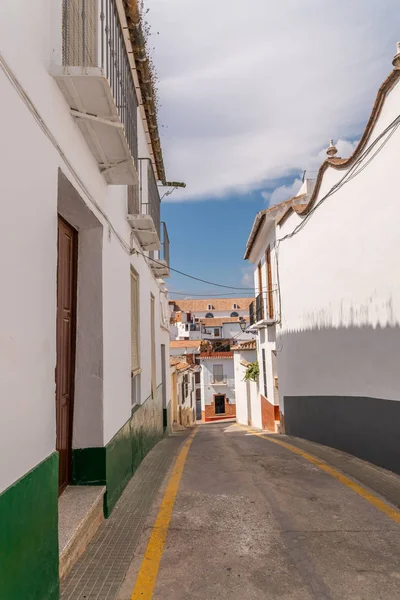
(144, 210)
(96, 80)
(224, 380)
(160, 266)
(262, 312)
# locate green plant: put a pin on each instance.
(252, 372)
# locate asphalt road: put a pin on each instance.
(252, 520)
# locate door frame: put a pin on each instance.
(74, 304)
(224, 397)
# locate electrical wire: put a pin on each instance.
(355, 170)
(230, 287)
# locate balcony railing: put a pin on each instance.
(149, 196)
(164, 254)
(263, 310)
(224, 380)
(160, 263)
(259, 308)
(252, 313)
(96, 79)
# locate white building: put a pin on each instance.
(183, 391)
(210, 319)
(85, 328)
(217, 381)
(338, 329)
(248, 405)
(265, 311)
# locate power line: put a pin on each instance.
(229, 287)
(355, 170)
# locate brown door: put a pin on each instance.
(66, 321)
(270, 292)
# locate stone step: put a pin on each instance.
(80, 514)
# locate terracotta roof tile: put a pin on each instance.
(212, 355)
(185, 343)
(249, 345)
(218, 304)
(219, 321)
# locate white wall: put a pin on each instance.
(28, 248)
(339, 283)
(244, 389)
(207, 389)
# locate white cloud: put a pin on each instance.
(247, 277)
(284, 192)
(344, 147)
(251, 92)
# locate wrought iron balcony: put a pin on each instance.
(160, 265)
(144, 209)
(263, 311)
(259, 308)
(97, 82)
(252, 315)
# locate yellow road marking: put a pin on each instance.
(147, 575)
(390, 512)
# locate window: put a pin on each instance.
(234, 314)
(153, 344)
(269, 279)
(260, 282)
(209, 316)
(210, 307)
(135, 361)
(216, 333)
(235, 306)
(218, 373)
(264, 373)
(135, 355)
(133, 199)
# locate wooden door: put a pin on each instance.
(269, 277)
(66, 325)
(219, 404)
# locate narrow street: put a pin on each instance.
(253, 519)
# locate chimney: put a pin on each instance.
(396, 59)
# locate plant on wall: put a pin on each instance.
(252, 372)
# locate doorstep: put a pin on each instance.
(80, 513)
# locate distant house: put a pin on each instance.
(211, 326)
(183, 391)
(218, 396)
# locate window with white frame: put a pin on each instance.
(135, 351)
(218, 373)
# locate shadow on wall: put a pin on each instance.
(341, 387)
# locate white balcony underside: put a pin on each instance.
(160, 268)
(263, 323)
(145, 230)
(89, 96)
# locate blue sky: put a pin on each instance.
(250, 98)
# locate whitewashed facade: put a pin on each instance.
(337, 339)
(60, 162)
(217, 383)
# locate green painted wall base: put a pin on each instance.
(114, 465)
(29, 535)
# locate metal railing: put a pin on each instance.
(252, 313)
(92, 37)
(149, 196)
(164, 254)
(219, 380)
(260, 308)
